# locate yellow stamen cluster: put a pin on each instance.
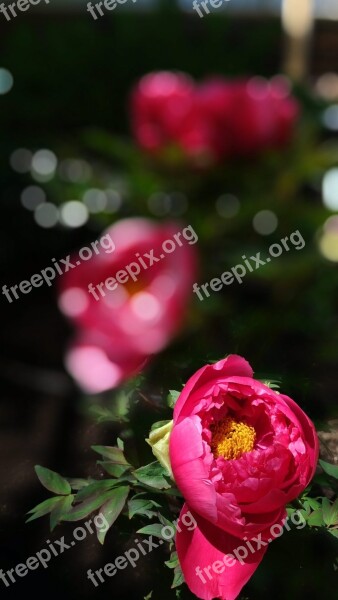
(231, 438)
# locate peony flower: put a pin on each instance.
(214, 120)
(239, 453)
(120, 325)
(162, 105)
(264, 115)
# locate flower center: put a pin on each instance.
(231, 438)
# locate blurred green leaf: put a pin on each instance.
(52, 481)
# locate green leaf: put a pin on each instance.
(333, 532)
(172, 398)
(312, 503)
(112, 508)
(61, 509)
(93, 488)
(113, 469)
(77, 484)
(316, 519)
(120, 443)
(153, 475)
(43, 508)
(114, 454)
(148, 596)
(330, 512)
(178, 577)
(173, 562)
(53, 481)
(154, 529)
(85, 508)
(142, 506)
(329, 469)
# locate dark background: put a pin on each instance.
(70, 74)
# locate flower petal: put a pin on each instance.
(206, 556)
(230, 366)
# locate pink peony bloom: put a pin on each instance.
(120, 328)
(239, 453)
(212, 121)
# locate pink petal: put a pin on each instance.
(230, 366)
(207, 547)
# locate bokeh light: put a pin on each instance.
(73, 302)
(44, 164)
(32, 196)
(46, 215)
(265, 222)
(159, 204)
(21, 160)
(328, 239)
(6, 81)
(73, 213)
(227, 206)
(330, 189)
(95, 200)
(75, 170)
(330, 117)
(114, 200)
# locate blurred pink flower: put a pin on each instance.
(117, 332)
(217, 119)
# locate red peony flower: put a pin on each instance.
(121, 324)
(239, 453)
(212, 121)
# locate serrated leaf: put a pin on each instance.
(329, 469)
(52, 481)
(112, 509)
(154, 529)
(142, 506)
(43, 508)
(60, 510)
(114, 454)
(153, 476)
(172, 398)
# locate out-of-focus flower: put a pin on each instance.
(212, 121)
(239, 452)
(120, 325)
(263, 115)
